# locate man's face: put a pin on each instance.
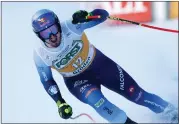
(52, 36)
(54, 40)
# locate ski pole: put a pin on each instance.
(135, 23)
(83, 114)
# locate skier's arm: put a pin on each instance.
(47, 80)
(49, 84)
(80, 27)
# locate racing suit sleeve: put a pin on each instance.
(47, 80)
(79, 28)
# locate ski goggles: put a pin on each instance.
(45, 34)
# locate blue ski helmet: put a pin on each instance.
(43, 19)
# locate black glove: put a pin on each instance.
(80, 17)
(65, 111)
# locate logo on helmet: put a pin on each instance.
(43, 22)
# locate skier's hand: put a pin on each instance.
(65, 111)
(80, 17)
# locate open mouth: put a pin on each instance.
(53, 39)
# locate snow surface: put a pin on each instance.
(149, 56)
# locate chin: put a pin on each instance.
(56, 44)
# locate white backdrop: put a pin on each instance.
(149, 56)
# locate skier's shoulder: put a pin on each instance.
(64, 26)
(38, 49)
(67, 26)
(39, 53)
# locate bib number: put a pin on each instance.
(78, 62)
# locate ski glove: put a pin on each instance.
(80, 17)
(65, 111)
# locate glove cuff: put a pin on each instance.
(59, 103)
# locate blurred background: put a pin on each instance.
(149, 56)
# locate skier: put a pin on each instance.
(64, 47)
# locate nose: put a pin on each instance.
(52, 36)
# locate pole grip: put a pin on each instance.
(93, 17)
